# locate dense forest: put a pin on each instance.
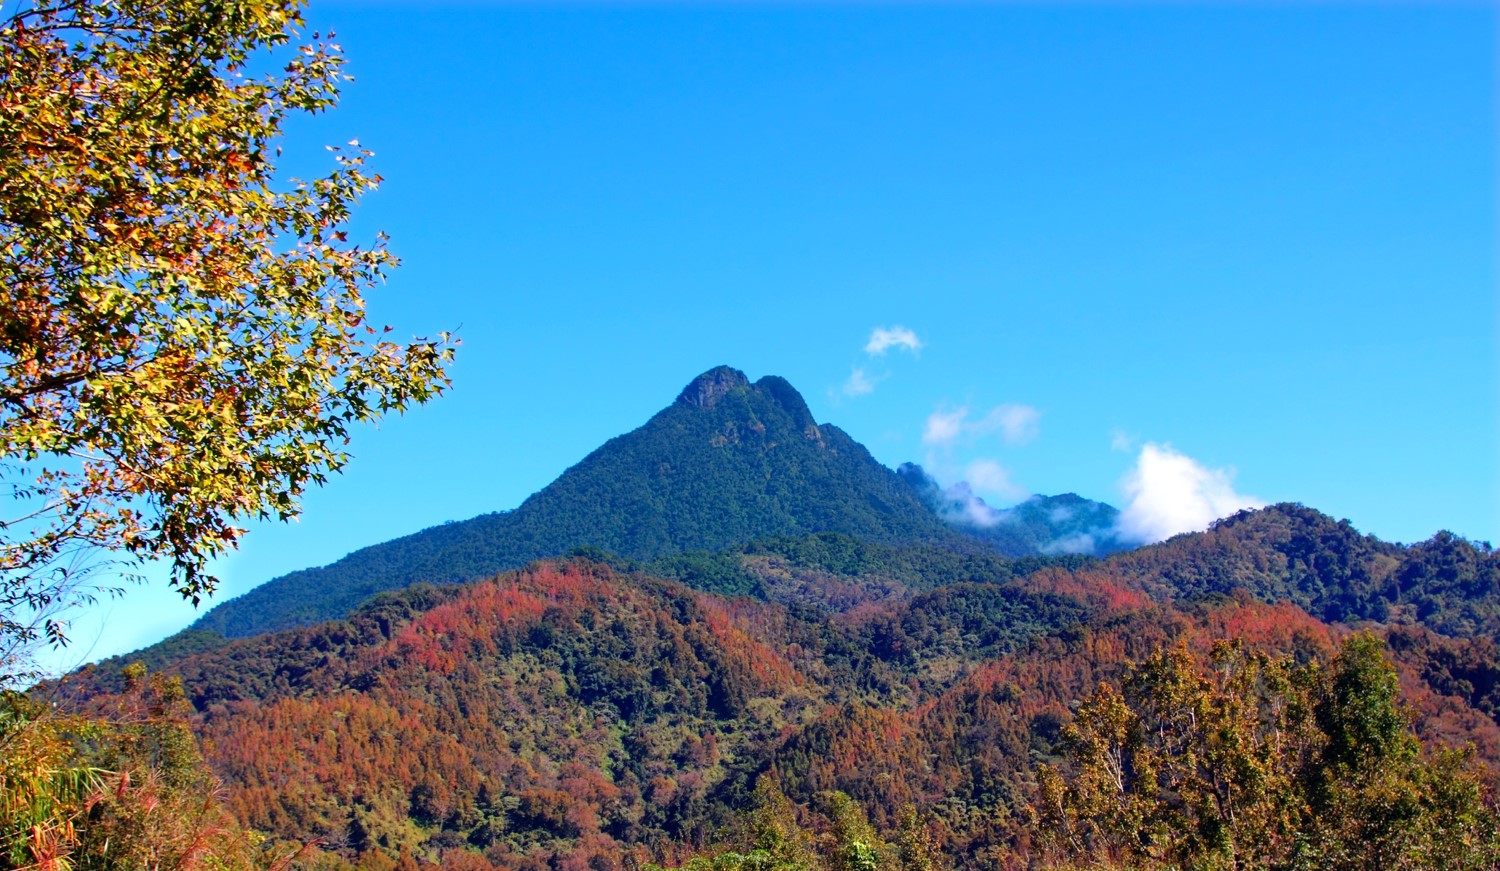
(604, 712)
(729, 639)
(749, 645)
(728, 463)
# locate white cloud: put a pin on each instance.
(885, 338)
(1168, 492)
(988, 476)
(1080, 542)
(966, 507)
(962, 505)
(1121, 441)
(859, 383)
(861, 380)
(1017, 424)
(944, 427)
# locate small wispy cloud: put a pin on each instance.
(1016, 424)
(1168, 492)
(1121, 441)
(962, 505)
(988, 476)
(944, 427)
(862, 380)
(885, 338)
(859, 383)
(1076, 543)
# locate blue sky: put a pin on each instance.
(1251, 247)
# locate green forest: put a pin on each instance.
(727, 639)
(845, 703)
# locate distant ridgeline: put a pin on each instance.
(755, 623)
(1066, 524)
(728, 463)
(576, 712)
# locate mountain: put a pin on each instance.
(1293, 553)
(1065, 524)
(571, 714)
(561, 709)
(726, 463)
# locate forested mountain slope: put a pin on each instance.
(727, 463)
(821, 574)
(1294, 553)
(574, 715)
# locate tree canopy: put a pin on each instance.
(183, 335)
(123, 788)
(1262, 762)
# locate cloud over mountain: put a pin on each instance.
(988, 476)
(1168, 492)
(1016, 424)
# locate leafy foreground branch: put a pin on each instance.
(183, 335)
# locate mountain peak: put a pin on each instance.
(788, 398)
(728, 463)
(705, 390)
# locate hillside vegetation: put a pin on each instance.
(583, 714)
(727, 464)
(731, 639)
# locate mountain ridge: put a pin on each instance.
(573, 711)
(1063, 524)
(727, 462)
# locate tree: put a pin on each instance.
(1260, 762)
(1376, 800)
(124, 788)
(183, 336)
(851, 843)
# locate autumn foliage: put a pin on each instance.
(579, 715)
(183, 338)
